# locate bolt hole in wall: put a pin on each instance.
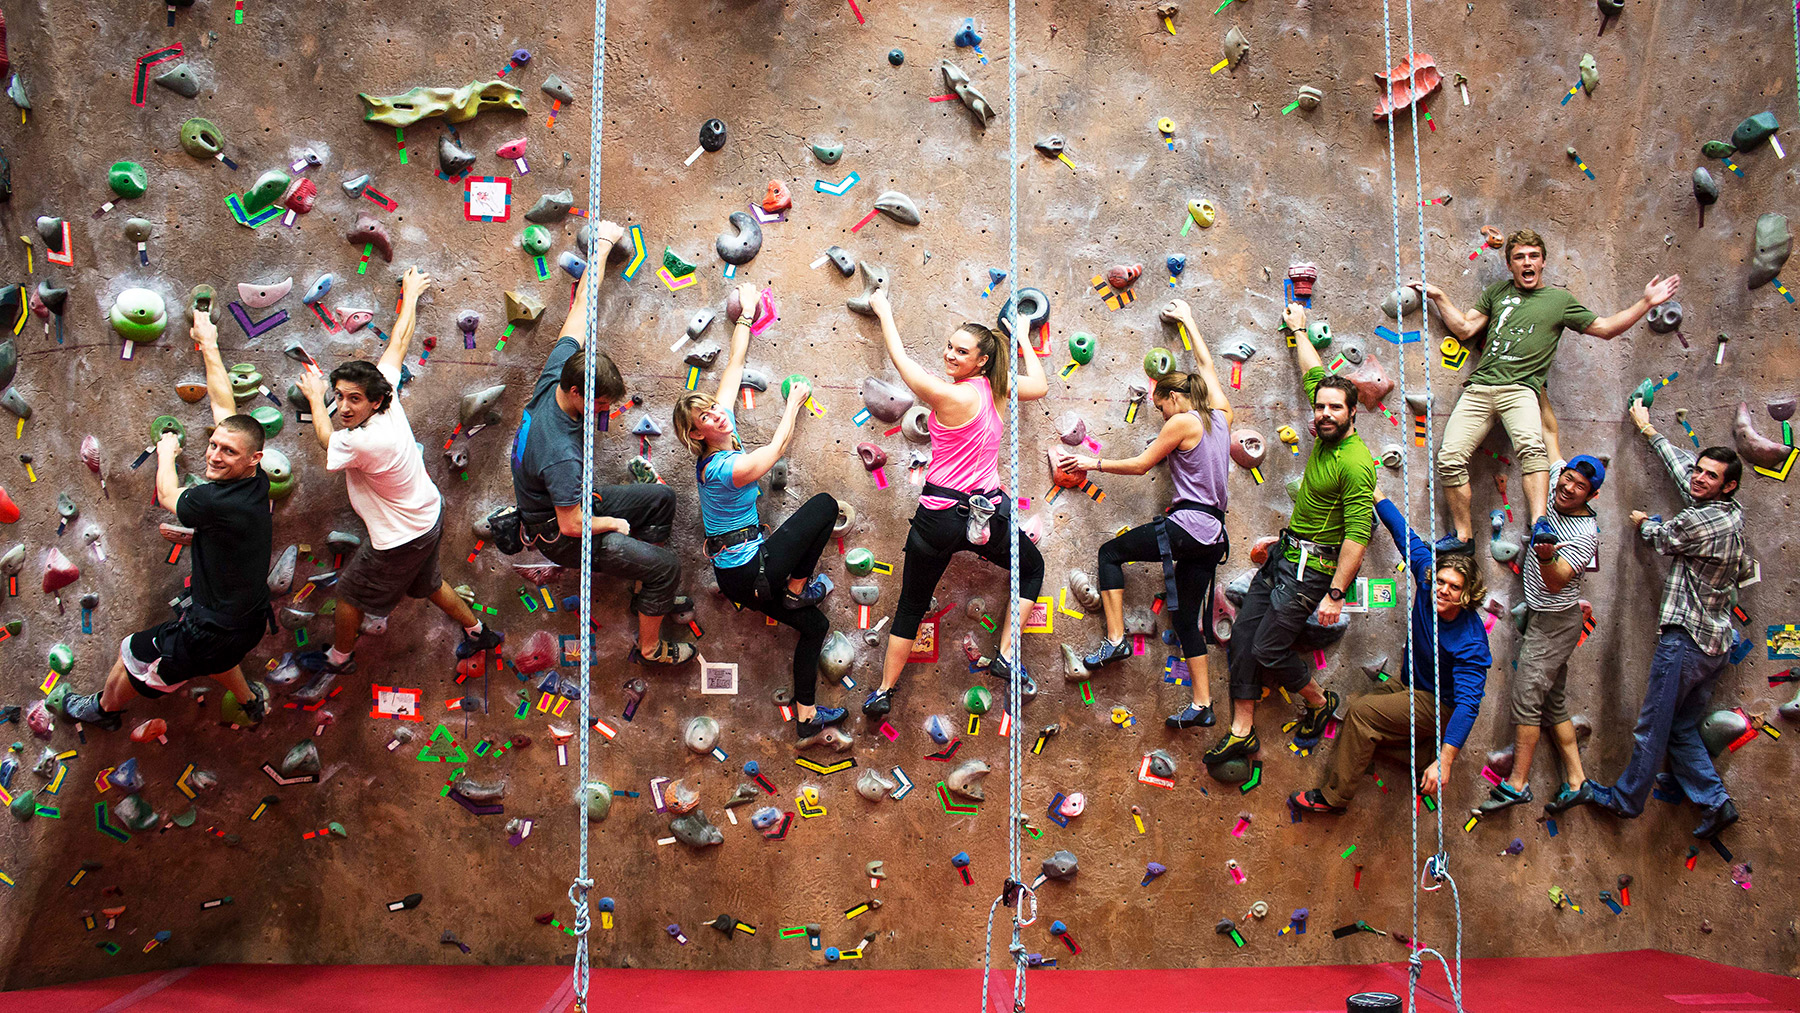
(822, 78)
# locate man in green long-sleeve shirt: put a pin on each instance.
(1310, 568)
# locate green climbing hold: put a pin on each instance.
(138, 315)
(54, 702)
(828, 153)
(62, 658)
(1716, 149)
(1081, 347)
(787, 385)
(859, 561)
(167, 424)
(535, 240)
(128, 179)
(1754, 131)
(246, 381)
(596, 797)
(268, 189)
(1158, 363)
(677, 267)
(14, 627)
(201, 138)
(1319, 333)
(978, 699)
(269, 417)
(24, 805)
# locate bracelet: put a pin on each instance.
(1100, 465)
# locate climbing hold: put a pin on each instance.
(836, 655)
(1033, 311)
(701, 734)
(1754, 130)
(355, 185)
(1781, 408)
(551, 207)
(1203, 213)
(201, 138)
(455, 105)
(1773, 244)
(356, 320)
(595, 798)
(916, 425)
(1401, 302)
(302, 759)
(281, 575)
(267, 189)
(1158, 363)
(1236, 46)
(742, 244)
(1071, 428)
(842, 260)
(972, 99)
(872, 456)
(1122, 275)
(1408, 81)
(1721, 728)
(523, 307)
(553, 86)
(872, 785)
(712, 134)
(694, 831)
(1372, 383)
(1758, 449)
(535, 240)
(896, 57)
(263, 296)
(884, 400)
(1084, 589)
(179, 80)
(1074, 670)
(138, 315)
(776, 197)
(1051, 146)
(513, 149)
(301, 195)
(978, 700)
(898, 206)
(1590, 72)
(846, 519)
(1716, 149)
(1061, 865)
(453, 158)
(538, 655)
(368, 230)
(1243, 350)
(1304, 275)
(127, 179)
(167, 424)
(271, 420)
(1176, 263)
(477, 408)
(1706, 189)
(965, 779)
(1309, 98)
(1664, 317)
(1392, 456)
(865, 594)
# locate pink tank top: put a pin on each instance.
(967, 457)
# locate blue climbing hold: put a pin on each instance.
(1177, 264)
(968, 37)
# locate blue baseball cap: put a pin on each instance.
(1591, 469)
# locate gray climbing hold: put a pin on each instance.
(479, 791)
(837, 654)
(1237, 46)
(695, 831)
(281, 575)
(741, 245)
(865, 594)
(1721, 728)
(302, 759)
(1061, 865)
(1773, 244)
(972, 99)
(884, 400)
(1664, 316)
(1754, 130)
(1051, 146)
(701, 734)
(1161, 763)
(477, 409)
(15, 402)
(179, 80)
(1401, 302)
(1084, 589)
(875, 279)
(703, 355)
(842, 260)
(965, 780)
(551, 207)
(553, 86)
(1706, 189)
(916, 426)
(872, 785)
(1235, 771)
(898, 206)
(1073, 668)
(699, 322)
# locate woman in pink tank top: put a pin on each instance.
(963, 507)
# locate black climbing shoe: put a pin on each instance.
(1193, 716)
(808, 732)
(1567, 799)
(812, 594)
(1717, 820)
(488, 639)
(1504, 796)
(1107, 653)
(879, 703)
(999, 669)
(1313, 801)
(319, 661)
(1232, 747)
(87, 710)
(1312, 723)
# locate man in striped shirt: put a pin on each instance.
(1706, 542)
(1553, 623)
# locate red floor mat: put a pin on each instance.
(1642, 981)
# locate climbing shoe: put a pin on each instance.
(318, 661)
(87, 710)
(669, 652)
(1717, 819)
(1313, 801)
(999, 669)
(1107, 653)
(1450, 545)
(1604, 798)
(1312, 723)
(1233, 747)
(879, 703)
(1193, 716)
(488, 639)
(808, 731)
(811, 594)
(1568, 798)
(1504, 796)
(1542, 533)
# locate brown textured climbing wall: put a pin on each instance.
(1306, 186)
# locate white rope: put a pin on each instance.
(1017, 341)
(578, 890)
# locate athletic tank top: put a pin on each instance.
(966, 457)
(1199, 477)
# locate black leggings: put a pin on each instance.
(1194, 567)
(791, 550)
(938, 535)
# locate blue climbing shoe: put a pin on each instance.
(1450, 545)
(1107, 653)
(879, 703)
(1504, 796)
(1192, 716)
(1542, 533)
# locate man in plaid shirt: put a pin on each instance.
(1706, 542)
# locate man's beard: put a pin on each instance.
(1334, 436)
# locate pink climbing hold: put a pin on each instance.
(1407, 82)
(539, 653)
(59, 572)
(513, 149)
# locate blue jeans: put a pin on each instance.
(1675, 702)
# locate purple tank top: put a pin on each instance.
(1199, 477)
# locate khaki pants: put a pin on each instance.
(1542, 673)
(1516, 405)
(1377, 720)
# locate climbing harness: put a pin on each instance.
(1436, 868)
(1016, 892)
(578, 890)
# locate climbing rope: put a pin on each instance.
(578, 890)
(1015, 892)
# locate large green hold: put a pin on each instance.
(269, 188)
(138, 314)
(1754, 131)
(24, 805)
(269, 417)
(128, 179)
(596, 797)
(201, 138)
(455, 105)
(535, 240)
(677, 267)
(61, 659)
(1716, 149)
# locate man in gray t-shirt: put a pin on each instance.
(1553, 625)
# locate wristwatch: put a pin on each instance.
(1335, 595)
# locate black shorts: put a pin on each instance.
(374, 580)
(183, 649)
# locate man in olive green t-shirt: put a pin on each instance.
(1524, 321)
(1311, 567)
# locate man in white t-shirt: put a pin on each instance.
(384, 471)
(1553, 625)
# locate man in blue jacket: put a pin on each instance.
(1447, 696)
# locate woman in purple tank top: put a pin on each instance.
(963, 507)
(1189, 538)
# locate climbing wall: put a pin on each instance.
(253, 870)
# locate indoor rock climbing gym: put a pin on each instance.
(1228, 506)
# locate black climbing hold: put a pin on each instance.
(712, 134)
(896, 57)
